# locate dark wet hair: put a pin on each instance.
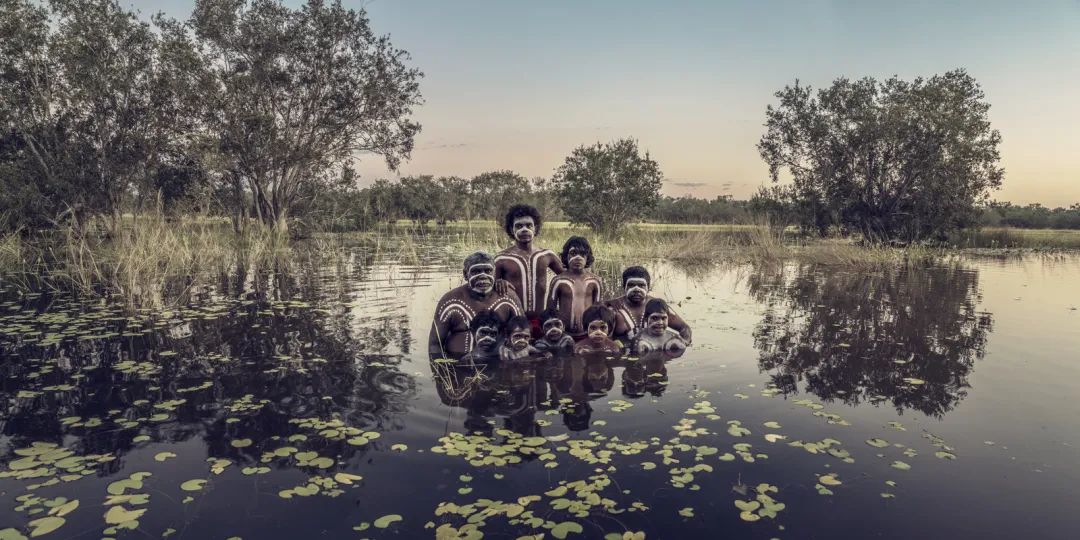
(485, 318)
(520, 211)
(582, 244)
(479, 257)
(599, 312)
(636, 272)
(517, 322)
(655, 305)
(548, 314)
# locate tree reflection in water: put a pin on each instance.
(906, 335)
(245, 359)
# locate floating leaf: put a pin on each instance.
(773, 437)
(118, 514)
(45, 525)
(829, 480)
(11, 534)
(193, 485)
(399, 447)
(901, 465)
(346, 478)
(64, 509)
(772, 425)
(945, 455)
(241, 443)
(386, 521)
(562, 530)
(877, 443)
(162, 456)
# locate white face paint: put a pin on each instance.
(481, 277)
(598, 329)
(636, 290)
(486, 337)
(553, 330)
(524, 229)
(576, 258)
(519, 340)
(657, 323)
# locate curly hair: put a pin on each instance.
(655, 305)
(520, 211)
(486, 318)
(636, 272)
(582, 244)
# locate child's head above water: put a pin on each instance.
(656, 317)
(551, 325)
(577, 253)
(485, 330)
(599, 321)
(518, 332)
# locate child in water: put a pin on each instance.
(656, 335)
(599, 321)
(484, 329)
(516, 345)
(576, 289)
(554, 338)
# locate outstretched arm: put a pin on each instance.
(676, 323)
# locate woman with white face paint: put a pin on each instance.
(576, 289)
(630, 308)
(450, 336)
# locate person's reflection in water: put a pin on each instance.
(647, 374)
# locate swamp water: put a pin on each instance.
(815, 402)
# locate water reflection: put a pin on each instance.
(522, 397)
(244, 363)
(908, 336)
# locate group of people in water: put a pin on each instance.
(508, 310)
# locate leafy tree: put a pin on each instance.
(897, 159)
(299, 92)
(606, 186)
(92, 107)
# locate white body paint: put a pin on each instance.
(528, 269)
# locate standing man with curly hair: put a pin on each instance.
(524, 265)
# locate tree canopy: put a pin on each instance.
(608, 185)
(894, 160)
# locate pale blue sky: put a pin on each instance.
(517, 85)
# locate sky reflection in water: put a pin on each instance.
(281, 391)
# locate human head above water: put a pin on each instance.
(577, 246)
(515, 221)
(551, 324)
(479, 272)
(485, 327)
(599, 320)
(656, 316)
(636, 282)
(517, 331)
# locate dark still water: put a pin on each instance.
(939, 402)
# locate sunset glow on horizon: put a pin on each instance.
(518, 85)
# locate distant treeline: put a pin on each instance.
(486, 196)
(1032, 216)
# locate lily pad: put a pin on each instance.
(901, 465)
(562, 530)
(387, 520)
(877, 443)
(45, 525)
(193, 485)
(118, 514)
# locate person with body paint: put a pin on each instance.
(450, 336)
(486, 328)
(516, 345)
(657, 336)
(630, 308)
(524, 265)
(576, 289)
(598, 321)
(553, 336)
